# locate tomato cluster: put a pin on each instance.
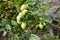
(23, 12)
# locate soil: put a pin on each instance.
(54, 5)
(3, 37)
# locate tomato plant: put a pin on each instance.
(22, 19)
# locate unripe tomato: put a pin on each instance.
(19, 19)
(24, 7)
(21, 14)
(23, 25)
(24, 12)
(41, 26)
(37, 26)
(44, 24)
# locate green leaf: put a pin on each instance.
(13, 22)
(57, 10)
(52, 37)
(25, 35)
(1, 6)
(45, 37)
(34, 37)
(31, 2)
(19, 2)
(8, 27)
(45, 7)
(15, 1)
(58, 19)
(5, 0)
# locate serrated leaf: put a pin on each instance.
(2, 29)
(34, 37)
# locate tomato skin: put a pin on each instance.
(44, 24)
(24, 12)
(41, 26)
(24, 7)
(19, 19)
(23, 25)
(21, 14)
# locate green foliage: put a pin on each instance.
(31, 2)
(5, 0)
(1, 6)
(45, 37)
(34, 37)
(17, 20)
(58, 19)
(18, 2)
(57, 10)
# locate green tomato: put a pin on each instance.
(24, 7)
(21, 14)
(44, 24)
(19, 22)
(37, 26)
(19, 19)
(24, 12)
(41, 26)
(23, 25)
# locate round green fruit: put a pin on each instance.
(44, 24)
(24, 7)
(24, 12)
(21, 14)
(19, 22)
(23, 25)
(41, 26)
